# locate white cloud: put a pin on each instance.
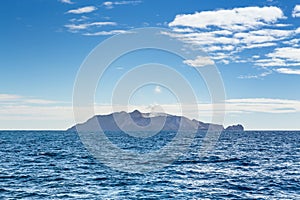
(219, 48)
(296, 11)
(288, 53)
(87, 25)
(86, 9)
(263, 105)
(245, 105)
(288, 71)
(119, 68)
(8, 99)
(293, 42)
(39, 101)
(273, 32)
(108, 3)
(259, 76)
(111, 4)
(28, 113)
(220, 56)
(200, 61)
(226, 62)
(21, 112)
(157, 89)
(270, 62)
(241, 106)
(267, 44)
(282, 25)
(283, 56)
(183, 30)
(66, 1)
(224, 40)
(263, 36)
(224, 34)
(80, 19)
(112, 32)
(235, 19)
(35, 112)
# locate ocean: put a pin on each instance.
(243, 165)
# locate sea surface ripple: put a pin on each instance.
(56, 165)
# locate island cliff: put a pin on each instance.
(129, 121)
(238, 127)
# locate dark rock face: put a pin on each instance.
(238, 127)
(137, 121)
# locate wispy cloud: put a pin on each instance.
(283, 56)
(258, 76)
(235, 19)
(206, 110)
(87, 25)
(9, 97)
(80, 19)
(296, 11)
(16, 108)
(289, 53)
(157, 89)
(39, 101)
(243, 29)
(86, 9)
(36, 112)
(22, 100)
(288, 71)
(293, 42)
(111, 4)
(23, 112)
(66, 1)
(230, 106)
(262, 105)
(103, 33)
(200, 61)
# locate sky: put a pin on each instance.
(254, 44)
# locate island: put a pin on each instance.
(238, 127)
(136, 120)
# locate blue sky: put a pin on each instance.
(254, 44)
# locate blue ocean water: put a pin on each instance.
(56, 165)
